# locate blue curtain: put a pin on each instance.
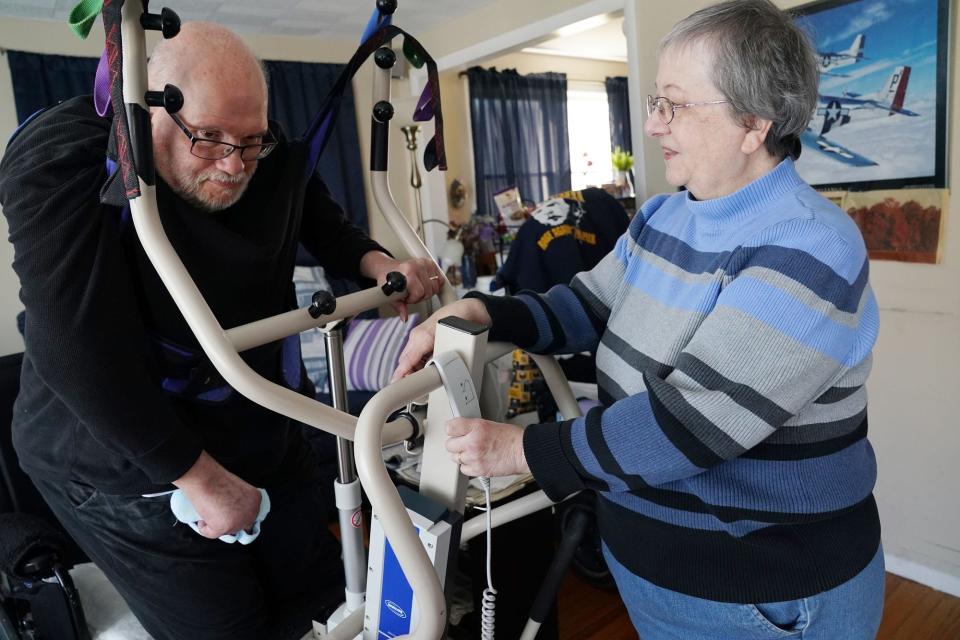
(520, 138)
(296, 90)
(619, 101)
(41, 81)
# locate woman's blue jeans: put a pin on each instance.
(851, 611)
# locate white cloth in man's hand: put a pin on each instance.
(185, 513)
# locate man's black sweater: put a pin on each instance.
(91, 406)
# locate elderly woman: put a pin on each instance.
(733, 326)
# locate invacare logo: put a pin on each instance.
(395, 609)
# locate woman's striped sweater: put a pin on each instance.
(733, 341)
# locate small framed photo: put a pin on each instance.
(880, 121)
(510, 207)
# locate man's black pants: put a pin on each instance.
(182, 586)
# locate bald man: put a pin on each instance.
(118, 405)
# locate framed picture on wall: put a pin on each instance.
(880, 121)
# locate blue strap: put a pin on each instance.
(190, 374)
(377, 20)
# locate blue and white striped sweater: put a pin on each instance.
(733, 340)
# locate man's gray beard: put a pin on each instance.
(192, 194)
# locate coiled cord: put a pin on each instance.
(488, 612)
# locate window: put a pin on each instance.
(519, 127)
(588, 123)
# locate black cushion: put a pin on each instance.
(25, 537)
(13, 482)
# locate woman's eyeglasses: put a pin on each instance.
(666, 108)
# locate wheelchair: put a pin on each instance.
(38, 598)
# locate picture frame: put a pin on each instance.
(510, 206)
(900, 224)
(881, 116)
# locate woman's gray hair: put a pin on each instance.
(764, 65)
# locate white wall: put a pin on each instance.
(10, 340)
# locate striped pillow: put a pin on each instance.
(372, 348)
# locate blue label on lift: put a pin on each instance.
(396, 604)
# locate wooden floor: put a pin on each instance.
(911, 612)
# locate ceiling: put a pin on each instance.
(332, 18)
(599, 38)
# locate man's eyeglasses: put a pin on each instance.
(666, 108)
(217, 150)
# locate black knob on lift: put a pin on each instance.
(385, 57)
(396, 281)
(171, 98)
(166, 22)
(382, 111)
(387, 7)
(323, 304)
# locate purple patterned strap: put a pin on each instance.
(424, 110)
(111, 27)
(101, 87)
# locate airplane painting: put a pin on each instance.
(877, 113)
(839, 110)
(832, 60)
